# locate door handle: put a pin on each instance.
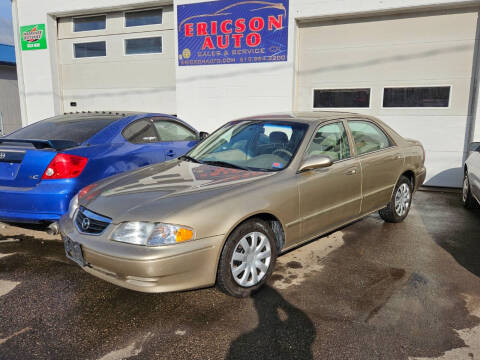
(351, 172)
(171, 153)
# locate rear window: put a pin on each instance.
(74, 129)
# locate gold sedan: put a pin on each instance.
(255, 188)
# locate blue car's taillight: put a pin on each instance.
(65, 166)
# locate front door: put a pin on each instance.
(331, 196)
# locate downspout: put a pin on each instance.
(18, 55)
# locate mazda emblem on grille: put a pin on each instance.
(85, 224)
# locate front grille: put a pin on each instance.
(90, 223)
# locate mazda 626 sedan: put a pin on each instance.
(222, 213)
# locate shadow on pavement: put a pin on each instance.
(283, 332)
(461, 237)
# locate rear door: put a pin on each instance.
(331, 196)
(175, 138)
(381, 161)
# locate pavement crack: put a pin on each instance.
(2, 341)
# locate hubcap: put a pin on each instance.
(402, 200)
(466, 187)
(251, 259)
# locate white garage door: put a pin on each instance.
(412, 71)
(118, 61)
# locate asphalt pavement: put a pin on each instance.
(369, 291)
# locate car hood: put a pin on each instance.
(153, 192)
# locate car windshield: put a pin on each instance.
(251, 145)
(77, 129)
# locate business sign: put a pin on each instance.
(33, 37)
(232, 32)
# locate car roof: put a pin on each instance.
(306, 117)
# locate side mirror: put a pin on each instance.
(203, 135)
(315, 162)
(474, 146)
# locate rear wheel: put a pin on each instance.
(399, 205)
(467, 197)
(247, 259)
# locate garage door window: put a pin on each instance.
(416, 97)
(152, 45)
(90, 49)
(341, 98)
(144, 17)
(89, 23)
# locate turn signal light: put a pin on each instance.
(184, 235)
(65, 166)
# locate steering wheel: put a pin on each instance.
(282, 152)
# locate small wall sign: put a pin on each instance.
(33, 37)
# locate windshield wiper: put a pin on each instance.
(225, 164)
(189, 158)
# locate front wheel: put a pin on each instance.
(399, 206)
(467, 197)
(247, 259)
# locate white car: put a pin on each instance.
(471, 180)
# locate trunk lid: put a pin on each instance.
(22, 166)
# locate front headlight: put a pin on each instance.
(73, 206)
(152, 234)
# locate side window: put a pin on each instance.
(368, 137)
(140, 132)
(330, 140)
(171, 131)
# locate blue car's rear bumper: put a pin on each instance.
(46, 202)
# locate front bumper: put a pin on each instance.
(164, 269)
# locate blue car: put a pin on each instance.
(43, 165)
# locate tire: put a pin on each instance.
(235, 276)
(467, 197)
(399, 206)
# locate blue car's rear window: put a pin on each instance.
(73, 128)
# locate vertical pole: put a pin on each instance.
(1, 124)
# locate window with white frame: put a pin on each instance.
(89, 23)
(150, 45)
(90, 49)
(143, 17)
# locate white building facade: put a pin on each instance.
(412, 63)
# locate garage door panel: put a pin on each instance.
(407, 61)
(118, 74)
(390, 30)
(155, 99)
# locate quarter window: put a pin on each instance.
(144, 17)
(140, 132)
(90, 49)
(416, 97)
(330, 140)
(89, 23)
(171, 131)
(341, 98)
(368, 137)
(149, 45)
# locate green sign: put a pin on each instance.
(33, 37)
